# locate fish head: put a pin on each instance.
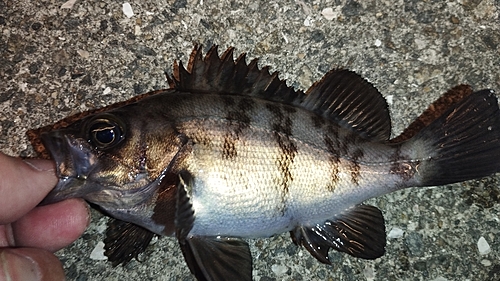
(115, 160)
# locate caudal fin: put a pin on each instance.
(462, 144)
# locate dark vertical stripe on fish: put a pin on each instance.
(349, 142)
(332, 145)
(282, 130)
(239, 119)
(317, 121)
(355, 166)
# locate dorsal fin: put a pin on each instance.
(351, 101)
(341, 95)
(225, 75)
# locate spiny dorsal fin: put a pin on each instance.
(341, 95)
(225, 75)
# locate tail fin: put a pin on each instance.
(464, 143)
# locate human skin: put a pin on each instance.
(30, 234)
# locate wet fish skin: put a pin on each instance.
(231, 152)
(296, 165)
(282, 166)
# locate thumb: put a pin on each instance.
(29, 264)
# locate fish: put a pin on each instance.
(231, 152)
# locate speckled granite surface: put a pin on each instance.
(57, 61)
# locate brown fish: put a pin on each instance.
(231, 152)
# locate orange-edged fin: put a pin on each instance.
(462, 144)
(359, 232)
(209, 258)
(436, 109)
(125, 241)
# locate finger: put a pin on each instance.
(23, 184)
(52, 227)
(23, 264)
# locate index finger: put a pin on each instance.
(23, 184)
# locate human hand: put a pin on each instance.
(28, 234)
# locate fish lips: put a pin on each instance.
(74, 159)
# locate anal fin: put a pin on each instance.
(124, 241)
(209, 258)
(359, 232)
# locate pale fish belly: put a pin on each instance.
(249, 194)
(240, 196)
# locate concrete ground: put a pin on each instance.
(58, 59)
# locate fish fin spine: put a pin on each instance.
(341, 96)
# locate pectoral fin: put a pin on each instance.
(124, 241)
(359, 231)
(209, 258)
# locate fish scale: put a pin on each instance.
(231, 152)
(259, 154)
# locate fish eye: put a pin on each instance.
(105, 132)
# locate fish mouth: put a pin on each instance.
(74, 159)
(77, 168)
